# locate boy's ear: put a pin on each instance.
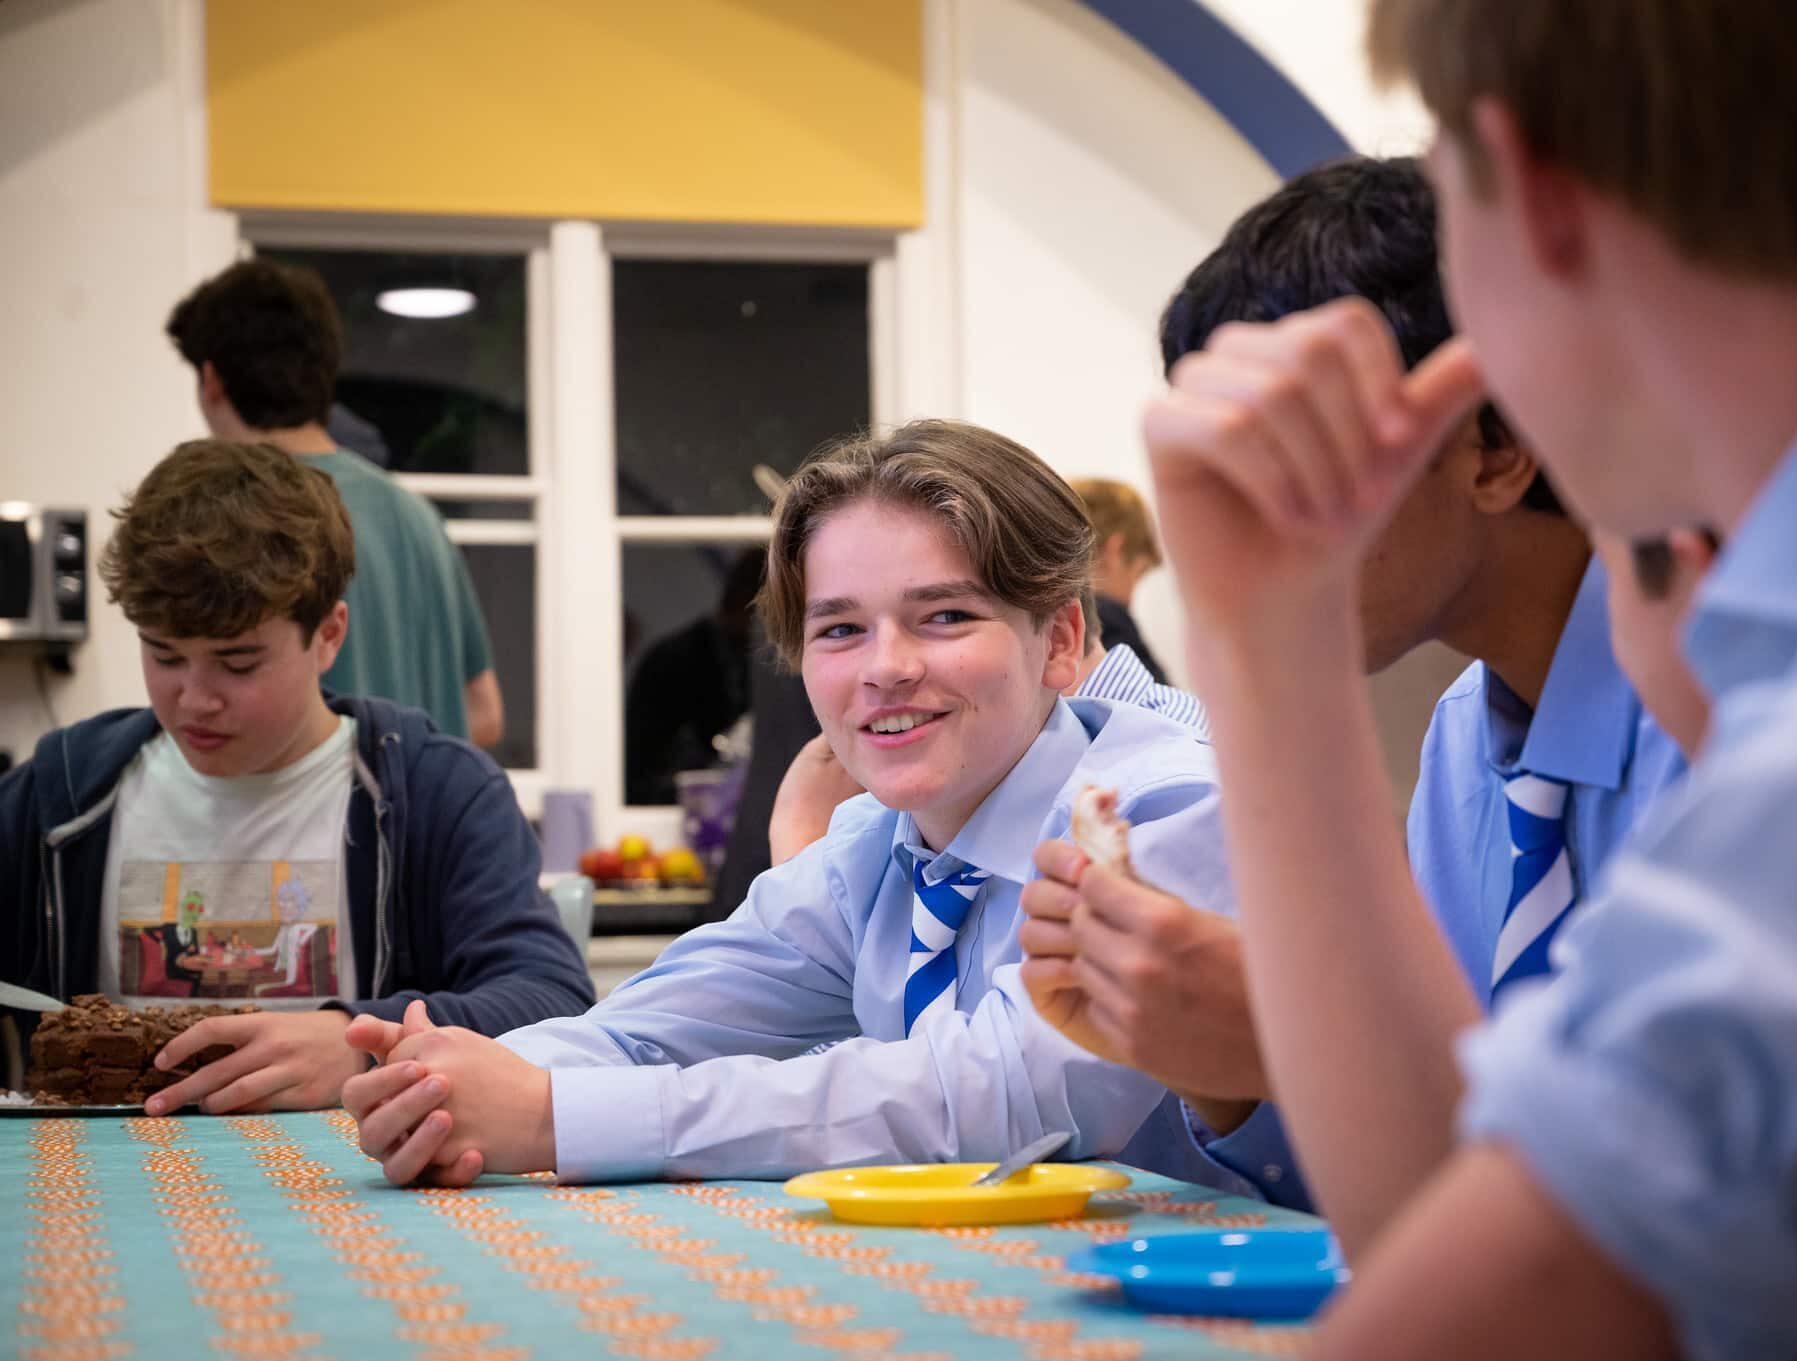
(1066, 631)
(1504, 476)
(327, 638)
(212, 387)
(1693, 550)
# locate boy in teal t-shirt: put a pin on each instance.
(266, 342)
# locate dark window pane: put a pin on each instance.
(720, 366)
(505, 579)
(440, 395)
(686, 652)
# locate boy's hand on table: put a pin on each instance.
(1142, 979)
(1279, 453)
(448, 1104)
(281, 1060)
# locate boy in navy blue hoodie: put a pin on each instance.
(247, 838)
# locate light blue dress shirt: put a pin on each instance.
(1652, 1085)
(1589, 730)
(698, 1066)
(1120, 676)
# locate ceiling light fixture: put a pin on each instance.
(425, 304)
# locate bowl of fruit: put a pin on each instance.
(633, 863)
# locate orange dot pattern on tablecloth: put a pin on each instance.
(1260, 1339)
(630, 1329)
(815, 1323)
(814, 1286)
(1097, 1349)
(426, 1313)
(821, 1324)
(227, 1267)
(70, 1309)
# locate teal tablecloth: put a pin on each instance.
(275, 1237)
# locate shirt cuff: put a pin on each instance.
(1257, 1153)
(608, 1123)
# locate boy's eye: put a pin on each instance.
(242, 670)
(837, 631)
(164, 661)
(951, 617)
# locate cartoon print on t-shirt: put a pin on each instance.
(233, 929)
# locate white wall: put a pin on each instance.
(101, 233)
(1091, 180)
(1320, 46)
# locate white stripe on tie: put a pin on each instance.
(1533, 915)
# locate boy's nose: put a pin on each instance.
(894, 659)
(201, 699)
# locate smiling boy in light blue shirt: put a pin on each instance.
(928, 585)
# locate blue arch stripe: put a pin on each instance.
(1270, 112)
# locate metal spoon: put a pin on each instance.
(1023, 1157)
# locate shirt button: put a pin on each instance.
(1272, 1172)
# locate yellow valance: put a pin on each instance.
(735, 111)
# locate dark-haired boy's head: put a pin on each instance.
(1366, 227)
(1356, 227)
(271, 334)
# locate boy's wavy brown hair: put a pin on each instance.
(222, 536)
(1023, 530)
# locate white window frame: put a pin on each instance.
(572, 420)
(368, 232)
(602, 646)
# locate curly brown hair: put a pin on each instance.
(222, 536)
(1022, 528)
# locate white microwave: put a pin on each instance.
(43, 574)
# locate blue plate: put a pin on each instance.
(1233, 1273)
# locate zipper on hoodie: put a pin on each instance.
(383, 872)
(55, 923)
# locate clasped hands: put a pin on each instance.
(446, 1104)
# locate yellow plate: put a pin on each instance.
(940, 1193)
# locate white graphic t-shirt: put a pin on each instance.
(229, 888)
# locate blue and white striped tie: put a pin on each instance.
(1541, 887)
(937, 911)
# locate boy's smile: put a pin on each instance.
(928, 689)
(897, 726)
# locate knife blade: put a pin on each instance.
(24, 999)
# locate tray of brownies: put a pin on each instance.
(96, 1057)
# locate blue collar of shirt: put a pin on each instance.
(1583, 730)
(1743, 627)
(1001, 836)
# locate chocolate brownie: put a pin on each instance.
(96, 1052)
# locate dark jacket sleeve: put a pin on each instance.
(482, 942)
(21, 880)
